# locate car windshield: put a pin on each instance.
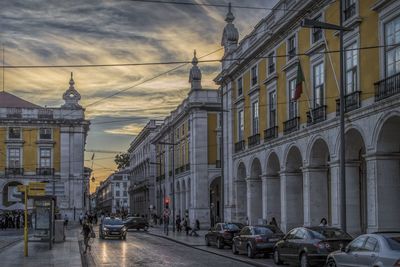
(262, 231)
(394, 242)
(321, 233)
(230, 226)
(112, 222)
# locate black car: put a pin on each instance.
(256, 240)
(112, 227)
(136, 223)
(222, 234)
(310, 246)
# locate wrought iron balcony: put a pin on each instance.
(352, 102)
(187, 166)
(270, 133)
(14, 171)
(316, 115)
(240, 146)
(182, 169)
(254, 140)
(387, 87)
(291, 125)
(44, 171)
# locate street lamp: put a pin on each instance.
(308, 23)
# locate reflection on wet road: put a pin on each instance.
(141, 249)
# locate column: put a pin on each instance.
(241, 201)
(353, 195)
(335, 193)
(254, 200)
(271, 198)
(291, 200)
(316, 200)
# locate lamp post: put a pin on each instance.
(308, 23)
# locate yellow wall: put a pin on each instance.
(30, 150)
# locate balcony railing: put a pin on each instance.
(270, 133)
(182, 169)
(240, 146)
(187, 166)
(45, 114)
(387, 87)
(44, 171)
(316, 115)
(14, 171)
(14, 113)
(254, 140)
(352, 102)
(291, 125)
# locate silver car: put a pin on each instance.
(381, 249)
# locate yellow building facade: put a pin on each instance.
(281, 149)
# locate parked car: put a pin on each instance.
(222, 234)
(136, 223)
(112, 227)
(310, 246)
(378, 249)
(256, 240)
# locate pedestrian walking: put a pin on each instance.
(196, 227)
(65, 220)
(87, 232)
(166, 214)
(247, 220)
(81, 219)
(178, 223)
(323, 222)
(273, 222)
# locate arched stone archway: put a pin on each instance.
(292, 209)
(386, 178)
(254, 193)
(317, 184)
(215, 201)
(272, 190)
(356, 187)
(241, 193)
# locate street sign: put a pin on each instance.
(36, 189)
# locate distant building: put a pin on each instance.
(188, 149)
(40, 144)
(112, 194)
(142, 169)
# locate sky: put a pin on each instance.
(76, 32)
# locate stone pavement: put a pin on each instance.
(9, 237)
(199, 243)
(63, 254)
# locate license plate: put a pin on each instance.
(115, 233)
(273, 239)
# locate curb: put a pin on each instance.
(211, 252)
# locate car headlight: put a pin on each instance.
(105, 229)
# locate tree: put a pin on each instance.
(122, 160)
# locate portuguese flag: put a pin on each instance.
(299, 82)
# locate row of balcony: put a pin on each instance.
(20, 171)
(383, 89)
(181, 169)
(16, 113)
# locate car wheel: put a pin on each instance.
(207, 242)
(304, 260)
(277, 257)
(250, 252)
(234, 250)
(220, 244)
(331, 263)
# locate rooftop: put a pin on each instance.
(8, 100)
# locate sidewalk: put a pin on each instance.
(9, 237)
(63, 254)
(199, 243)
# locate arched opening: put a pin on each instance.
(356, 187)
(318, 185)
(272, 189)
(215, 201)
(254, 193)
(241, 198)
(292, 191)
(388, 176)
(11, 195)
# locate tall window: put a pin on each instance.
(117, 193)
(240, 125)
(291, 47)
(45, 158)
(272, 109)
(117, 184)
(255, 115)
(254, 78)
(45, 133)
(14, 158)
(351, 68)
(14, 133)
(271, 62)
(392, 37)
(349, 9)
(239, 86)
(318, 82)
(292, 102)
(317, 32)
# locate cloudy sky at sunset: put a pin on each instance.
(54, 32)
